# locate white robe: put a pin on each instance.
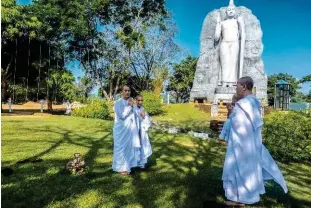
(143, 127)
(225, 130)
(125, 137)
(248, 163)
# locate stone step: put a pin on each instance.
(222, 112)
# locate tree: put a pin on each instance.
(299, 98)
(150, 47)
(84, 86)
(152, 60)
(88, 31)
(273, 79)
(161, 75)
(306, 79)
(108, 54)
(182, 78)
(61, 83)
(17, 24)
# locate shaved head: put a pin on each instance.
(139, 100)
(244, 87)
(139, 96)
(247, 81)
(125, 86)
(126, 91)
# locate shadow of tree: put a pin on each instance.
(31, 178)
(189, 177)
(182, 172)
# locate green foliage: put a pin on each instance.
(305, 79)
(299, 98)
(161, 75)
(94, 109)
(61, 84)
(182, 79)
(72, 29)
(20, 92)
(273, 79)
(84, 86)
(288, 136)
(152, 103)
(17, 21)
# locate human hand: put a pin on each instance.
(229, 107)
(222, 141)
(130, 102)
(142, 114)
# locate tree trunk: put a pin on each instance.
(55, 97)
(5, 75)
(49, 101)
(110, 89)
(177, 98)
(14, 76)
(48, 74)
(54, 94)
(39, 73)
(102, 89)
(117, 86)
(48, 94)
(28, 70)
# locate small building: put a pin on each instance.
(282, 95)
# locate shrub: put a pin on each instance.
(94, 109)
(268, 110)
(152, 103)
(288, 136)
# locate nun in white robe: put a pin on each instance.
(125, 137)
(143, 128)
(248, 163)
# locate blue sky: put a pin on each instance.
(285, 23)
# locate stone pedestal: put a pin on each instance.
(224, 94)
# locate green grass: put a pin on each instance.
(184, 116)
(183, 172)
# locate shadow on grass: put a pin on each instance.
(182, 172)
(25, 112)
(187, 176)
(34, 185)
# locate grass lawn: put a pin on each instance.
(183, 172)
(184, 116)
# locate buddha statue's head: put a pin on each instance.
(231, 9)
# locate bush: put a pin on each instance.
(94, 109)
(287, 135)
(268, 110)
(152, 103)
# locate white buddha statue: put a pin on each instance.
(231, 34)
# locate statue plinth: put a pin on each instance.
(225, 90)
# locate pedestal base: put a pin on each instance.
(224, 93)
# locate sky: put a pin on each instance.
(285, 24)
